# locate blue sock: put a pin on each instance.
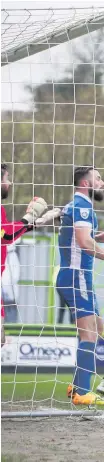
(85, 366)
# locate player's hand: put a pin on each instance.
(48, 218)
(35, 209)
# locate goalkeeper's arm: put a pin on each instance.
(10, 231)
(49, 218)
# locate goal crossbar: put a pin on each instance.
(50, 39)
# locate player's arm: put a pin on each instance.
(99, 237)
(12, 231)
(49, 218)
(83, 224)
(86, 242)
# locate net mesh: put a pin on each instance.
(52, 121)
(22, 28)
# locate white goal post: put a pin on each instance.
(39, 138)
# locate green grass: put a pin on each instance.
(45, 385)
(42, 383)
(12, 458)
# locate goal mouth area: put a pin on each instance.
(24, 32)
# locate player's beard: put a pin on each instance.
(4, 192)
(97, 195)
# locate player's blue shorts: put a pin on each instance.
(76, 287)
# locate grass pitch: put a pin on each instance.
(39, 387)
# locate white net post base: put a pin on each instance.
(55, 413)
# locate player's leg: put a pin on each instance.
(100, 388)
(100, 325)
(2, 332)
(89, 326)
(61, 310)
(85, 363)
(85, 314)
(86, 366)
(2, 324)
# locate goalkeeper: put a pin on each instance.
(11, 231)
(78, 247)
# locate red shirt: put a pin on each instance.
(9, 233)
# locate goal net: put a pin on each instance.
(52, 121)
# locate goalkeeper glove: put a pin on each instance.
(35, 209)
(48, 218)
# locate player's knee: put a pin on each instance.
(87, 329)
(87, 336)
(91, 333)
